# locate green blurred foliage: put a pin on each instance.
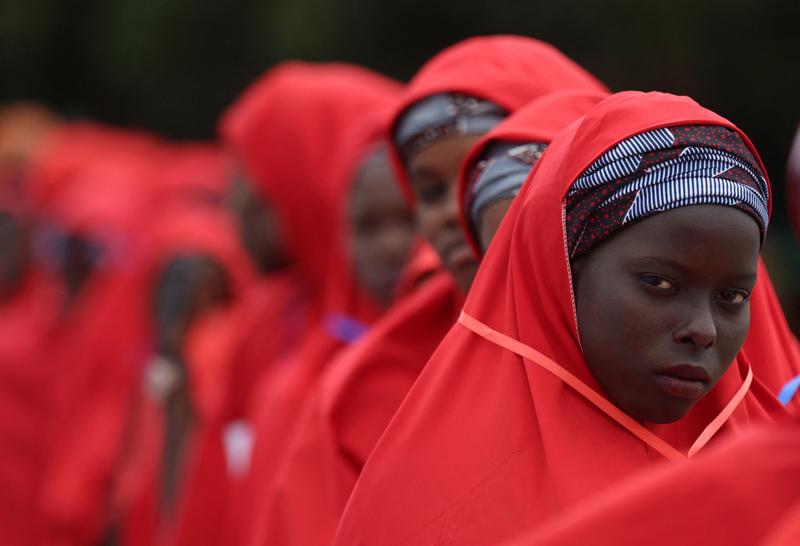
(172, 66)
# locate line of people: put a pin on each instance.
(497, 304)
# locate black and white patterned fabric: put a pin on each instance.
(498, 175)
(441, 116)
(660, 170)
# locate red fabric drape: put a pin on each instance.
(27, 320)
(509, 71)
(187, 226)
(737, 495)
(354, 401)
(488, 443)
(301, 131)
(98, 183)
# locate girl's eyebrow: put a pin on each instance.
(666, 262)
(422, 172)
(749, 276)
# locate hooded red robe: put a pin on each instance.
(506, 426)
(291, 130)
(96, 182)
(197, 515)
(707, 501)
(366, 384)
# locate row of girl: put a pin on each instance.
(496, 305)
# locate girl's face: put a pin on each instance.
(433, 174)
(663, 307)
(13, 253)
(259, 230)
(491, 220)
(381, 229)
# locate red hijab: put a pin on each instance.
(787, 530)
(356, 397)
(27, 318)
(194, 172)
(280, 128)
(708, 501)
(771, 346)
(97, 182)
(770, 338)
(196, 517)
(302, 131)
(345, 419)
(508, 71)
(506, 424)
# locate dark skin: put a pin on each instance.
(259, 230)
(80, 259)
(433, 174)
(187, 287)
(490, 222)
(14, 254)
(381, 228)
(663, 307)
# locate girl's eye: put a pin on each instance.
(430, 193)
(660, 283)
(734, 297)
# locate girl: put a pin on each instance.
(603, 333)
(458, 95)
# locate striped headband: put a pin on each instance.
(500, 173)
(441, 116)
(661, 170)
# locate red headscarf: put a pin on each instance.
(771, 346)
(281, 129)
(355, 399)
(366, 384)
(540, 121)
(194, 173)
(302, 131)
(197, 516)
(97, 182)
(733, 496)
(345, 419)
(506, 424)
(27, 319)
(787, 530)
(28, 316)
(770, 337)
(508, 71)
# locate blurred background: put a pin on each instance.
(171, 66)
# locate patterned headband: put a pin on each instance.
(499, 175)
(661, 170)
(441, 116)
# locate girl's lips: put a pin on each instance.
(687, 381)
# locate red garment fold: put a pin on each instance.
(302, 131)
(355, 399)
(707, 501)
(508, 71)
(487, 443)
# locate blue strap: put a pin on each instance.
(789, 390)
(344, 328)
